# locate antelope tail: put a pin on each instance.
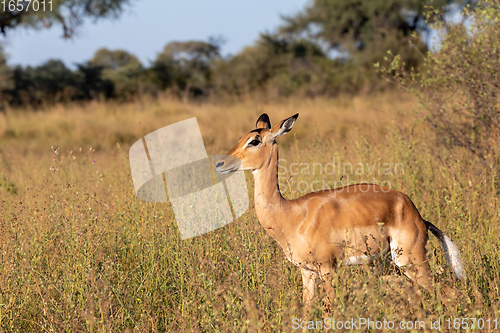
(450, 251)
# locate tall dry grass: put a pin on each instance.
(79, 252)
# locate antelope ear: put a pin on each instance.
(263, 121)
(285, 126)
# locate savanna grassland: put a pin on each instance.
(79, 251)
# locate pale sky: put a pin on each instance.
(148, 25)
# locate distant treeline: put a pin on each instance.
(275, 67)
(328, 48)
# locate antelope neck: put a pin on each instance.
(270, 205)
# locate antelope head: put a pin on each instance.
(255, 149)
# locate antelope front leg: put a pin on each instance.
(308, 285)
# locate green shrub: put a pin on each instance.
(458, 86)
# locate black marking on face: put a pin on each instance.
(257, 130)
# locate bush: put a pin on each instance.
(459, 86)
(121, 68)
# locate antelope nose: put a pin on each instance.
(219, 164)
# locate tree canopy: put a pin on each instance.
(123, 69)
(362, 29)
(5, 71)
(115, 60)
(187, 65)
(69, 14)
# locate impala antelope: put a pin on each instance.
(321, 230)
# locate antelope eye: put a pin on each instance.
(254, 143)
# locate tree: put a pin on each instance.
(115, 60)
(121, 68)
(50, 82)
(92, 84)
(363, 30)
(5, 75)
(187, 66)
(279, 67)
(70, 14)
